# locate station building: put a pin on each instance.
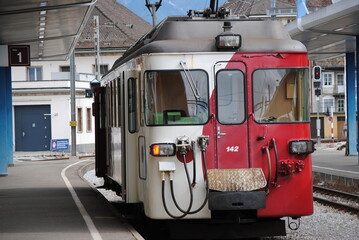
(332, 100)
(41, 92)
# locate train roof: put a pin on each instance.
(187, 34)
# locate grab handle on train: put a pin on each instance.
(271, 144)
(276, 161)
(269, 169)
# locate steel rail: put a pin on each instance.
(335, 193)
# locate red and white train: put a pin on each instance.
(208, 119)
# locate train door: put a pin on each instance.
(131, 133)
(230, 131)
(278, 114)
(99, 112)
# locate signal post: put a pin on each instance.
(317, 76)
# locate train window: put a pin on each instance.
(280, 95)
(230, 96)
(119, 102)
(113, 104)
(102, 109)
(113, 101)
(109, 105)
(132, 103)
(176, 97)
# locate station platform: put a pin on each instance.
(333, 167)
(45, 198)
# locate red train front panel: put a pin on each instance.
(260, 119)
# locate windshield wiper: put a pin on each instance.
(189, 78)
(268, 119)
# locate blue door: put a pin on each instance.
(32, 128)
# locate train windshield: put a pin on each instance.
(176, 97)
(280, 95)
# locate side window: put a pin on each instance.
(110, 107)
(328, 104)
(280, 95)
(230, 97)
(119, 101)
(102, 109)
(132, 115)
(176, 97)
(34, 73)
(65, 68)
(88, 120)
(103, 69)
(79, 120)
(340, 79)
(328, 79)
(115, 103)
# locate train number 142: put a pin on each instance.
(232, 148)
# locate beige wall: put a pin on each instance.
(337, 125)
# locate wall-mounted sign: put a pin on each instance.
(19, 55)
(59, 144)
(73, 123)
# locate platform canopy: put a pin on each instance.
(330, 31)
(51, 28)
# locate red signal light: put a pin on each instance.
(317, 72)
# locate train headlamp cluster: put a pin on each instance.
(163, 149)
(227, 39)
(301, 147)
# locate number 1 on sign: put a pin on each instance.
(20, 57)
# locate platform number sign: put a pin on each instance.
(19, 55)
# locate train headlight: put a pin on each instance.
(228, 41)
(163, 149)
(301, 147)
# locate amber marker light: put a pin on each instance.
(163, 149)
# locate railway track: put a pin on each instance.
(340, 200)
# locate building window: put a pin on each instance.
(327, 79)
(79, 120)
(340, 104)
(103, 69)
(340, 79)
(34, 73)
(88, 120)
(328, 103)
(64, 68)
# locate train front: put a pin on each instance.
(228, 127)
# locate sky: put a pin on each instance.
(168, 7)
